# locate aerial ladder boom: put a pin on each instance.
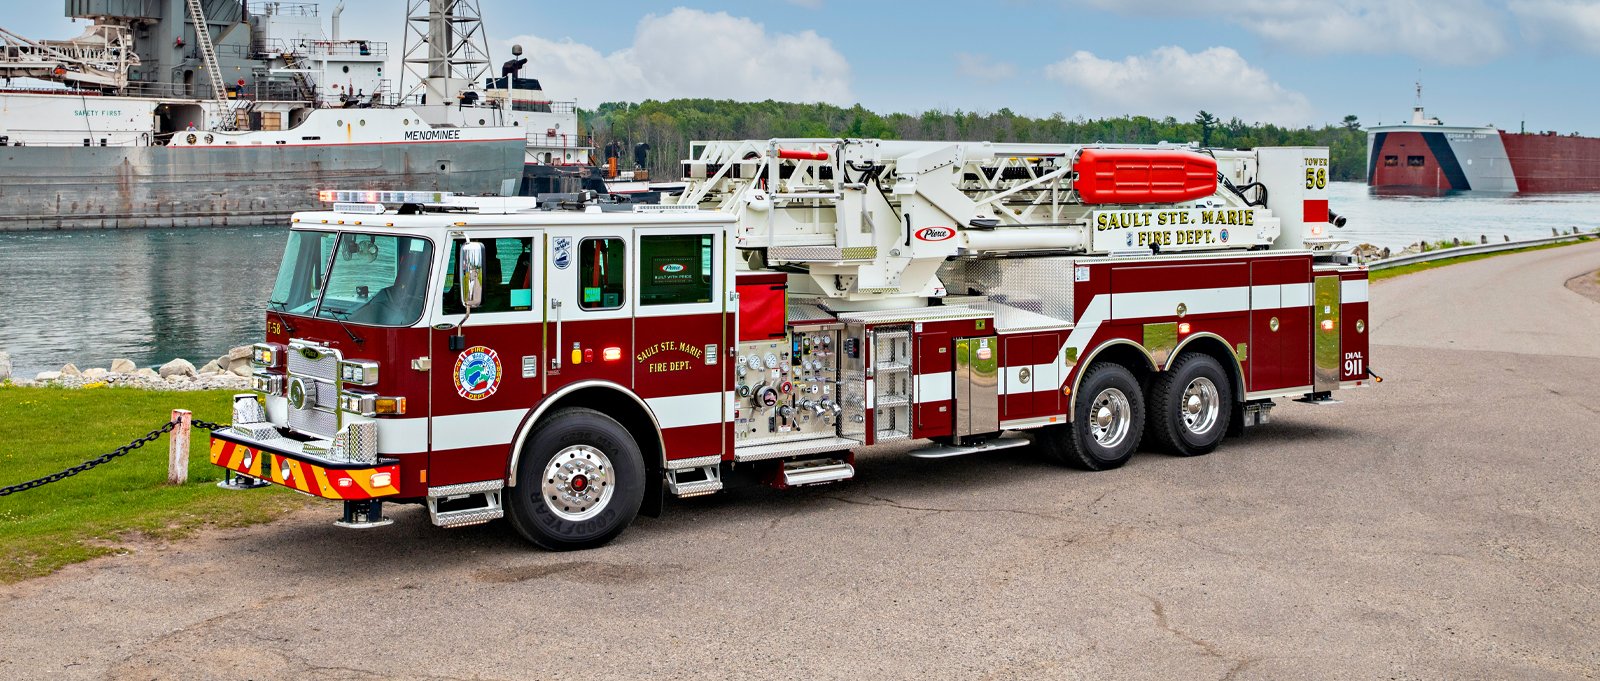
(872, 221)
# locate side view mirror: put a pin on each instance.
(470, 269)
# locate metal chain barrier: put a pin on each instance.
(207, 424)
(147, 438)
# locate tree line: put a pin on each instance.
(668, 126)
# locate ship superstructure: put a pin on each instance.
(143, 120)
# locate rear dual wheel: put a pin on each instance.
(1190, 406)
(1109, 420)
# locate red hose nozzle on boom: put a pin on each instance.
(802, 155)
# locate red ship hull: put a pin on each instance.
(1550, 163)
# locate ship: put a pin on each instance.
(1425, 156)
(178, 113)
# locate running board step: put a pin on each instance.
(472, 503)
(786, 448)
(938, 451)
(694, 482)
(1319, 399)
(816, 472)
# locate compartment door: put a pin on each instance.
(1325, 335)
(977, 386)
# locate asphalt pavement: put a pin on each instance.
(1445, 524)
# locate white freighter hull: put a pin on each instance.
(212, 177)
(109, 187)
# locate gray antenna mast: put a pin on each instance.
(446, 48)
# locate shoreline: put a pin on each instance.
(230, 371)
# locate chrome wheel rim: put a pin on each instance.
(1109, 417)
(1200, 405)
(578, 483)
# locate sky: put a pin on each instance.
(1290, 62)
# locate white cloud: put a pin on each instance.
(1556, 24)
(1171, 81)
(690, 53)
(984, 67)
(1441, 31)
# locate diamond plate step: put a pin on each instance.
(489, 490)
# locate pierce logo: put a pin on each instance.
(934, 233)
(672, 268)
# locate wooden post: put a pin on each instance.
(178, 448)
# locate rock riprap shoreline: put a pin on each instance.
(231, 371)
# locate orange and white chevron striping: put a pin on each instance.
(308, 478)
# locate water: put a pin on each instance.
(152, 295)
(1397, 221)
(88, 297)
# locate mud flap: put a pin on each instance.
(654, 494)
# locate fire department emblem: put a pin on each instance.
(477, 373)
(563, 257)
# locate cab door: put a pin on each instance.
(684, 326)
(486, 374)
(589, 307)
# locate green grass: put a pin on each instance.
(1418, 267)
(44, 430)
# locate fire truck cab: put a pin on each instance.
(566, 364)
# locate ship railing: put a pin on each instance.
(542, 106)
(309, 48)
(565, 142)
(164, 90)
(496, 101)
(282, 9)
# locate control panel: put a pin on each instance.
(788, 389)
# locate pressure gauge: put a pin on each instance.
(772, 361)
(754, 362)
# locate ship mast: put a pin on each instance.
(446, 49)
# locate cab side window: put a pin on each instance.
(675, 269)
(602, 273)
(507, 277)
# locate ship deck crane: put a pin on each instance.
(99, 58)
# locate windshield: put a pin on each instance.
(372, 279)
(299, 282)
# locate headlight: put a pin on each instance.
(364, 404)
(359, 372)
(263, 382)
(266, 355)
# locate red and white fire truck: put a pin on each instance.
(568, 364)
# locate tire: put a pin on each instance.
(1191, 405)
(1108, 421)
(595, 471)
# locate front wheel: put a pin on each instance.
(580, 482)
(1190, 406)
(1108, 420)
